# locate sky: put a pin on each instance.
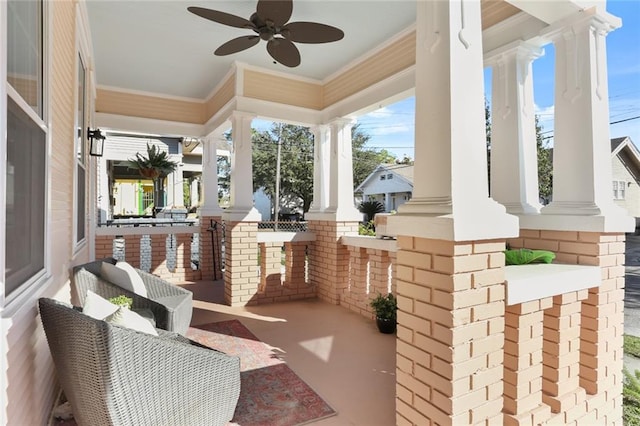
(392, 127)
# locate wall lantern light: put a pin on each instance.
(97, 142)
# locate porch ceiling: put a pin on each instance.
(158, 47)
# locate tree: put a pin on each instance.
(155, 166)
(545, 166)
(366, 159)
(297, 151)
(296, 157)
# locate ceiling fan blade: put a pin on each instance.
(311, 32)
(278, 11)
(284, 51)
(221, 17)
(236, 45)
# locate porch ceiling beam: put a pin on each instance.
(552, 11)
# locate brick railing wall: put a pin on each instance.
(178, 239)
(466, 357)
(371, 271)
(293, 284)
(582, 354)
(329, 259)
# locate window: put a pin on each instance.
(389, 176)
(25, 171)
(619, 187)
(81, 138)
(383, 177)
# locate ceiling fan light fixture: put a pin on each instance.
(271, 20)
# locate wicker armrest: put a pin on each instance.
(114, 375)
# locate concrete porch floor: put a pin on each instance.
(340, 354)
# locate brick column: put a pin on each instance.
(210, 246)
(328, 259)
(270, 275)
(561, 353)
(241, 260)
(132, 250)
(104, 246)
(601, 358)
(183, 258)
(523, 363)
(295, 258)
(159, 255)
(451, 302)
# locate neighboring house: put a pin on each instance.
(390, 184)
(625, 166)
(130, 194)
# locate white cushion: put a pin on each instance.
(124, 275)
(129, 319)
(97, 307)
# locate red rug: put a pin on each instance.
(271, 394)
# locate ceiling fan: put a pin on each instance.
(269, 22)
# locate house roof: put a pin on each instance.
(403, 171)
(626, 150)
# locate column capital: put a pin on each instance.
(242, 115)
(341, 122)
(519, 49)
(317, 128)
(584, 20)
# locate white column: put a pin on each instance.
(210, 206)
(450, 195)
(104, 202)
(175, 190)
(387, 202)
(241, 179)
(321, 168)
(582, 178)
(514, 155)
(194, 189)
(341, 203)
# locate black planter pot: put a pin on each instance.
(387, 326)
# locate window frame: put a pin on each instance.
(11, 303)
(81, 159)
(619, 190)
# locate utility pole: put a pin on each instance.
(277, 200)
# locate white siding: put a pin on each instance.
(632, 192)
(31, 388)
(378, 186)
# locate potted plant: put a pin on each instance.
(385, 308)
(122, 300)
(155, 166)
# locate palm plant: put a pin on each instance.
(156, 165)
(370, 208)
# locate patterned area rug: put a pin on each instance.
(271, 394)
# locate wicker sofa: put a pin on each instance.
(116, 376)
(171, 305)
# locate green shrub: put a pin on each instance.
(632, 345)
(367, 229)
(385, 307)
